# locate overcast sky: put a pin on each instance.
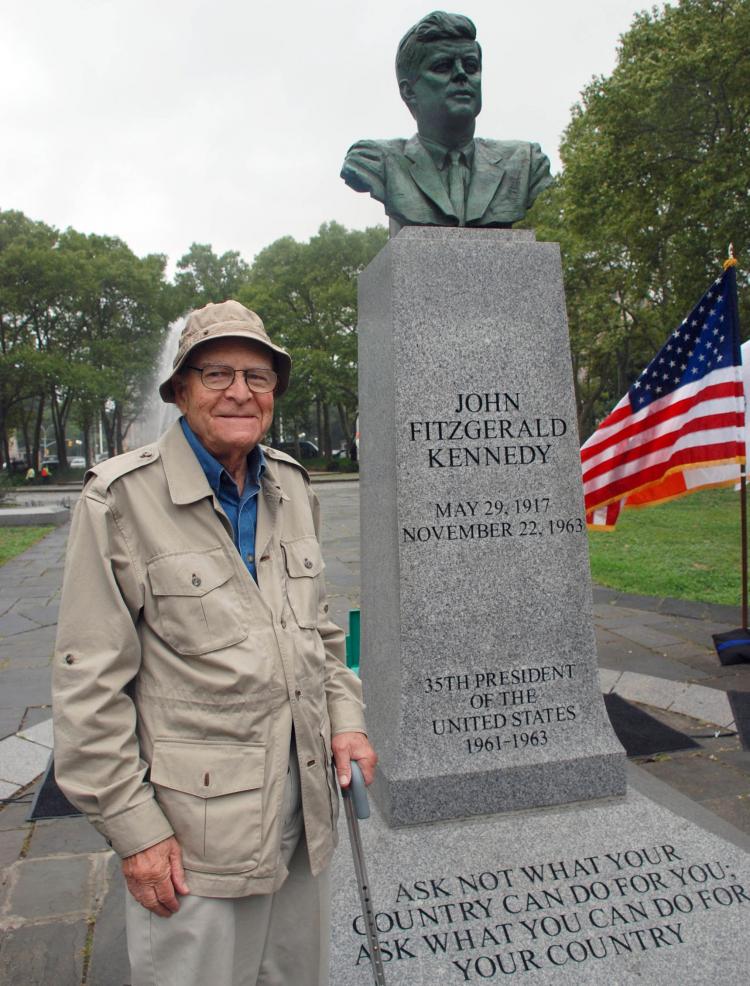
(166, 122)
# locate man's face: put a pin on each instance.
(225, 421)
(447, 91)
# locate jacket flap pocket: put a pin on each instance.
(207, 770)
(189, 573)
(303, 557)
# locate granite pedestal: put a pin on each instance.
(505, 841)
(478, 654)
(646, 890)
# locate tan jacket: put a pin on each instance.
(177, 679)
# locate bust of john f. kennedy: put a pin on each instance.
(444, 176)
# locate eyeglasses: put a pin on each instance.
(217, 376)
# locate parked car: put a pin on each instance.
(77, 462)
(307, 450)
(52, 463)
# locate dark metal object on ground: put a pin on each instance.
(641, 734)
(733, 647)
(50, 802)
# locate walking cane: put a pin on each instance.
(356, 806)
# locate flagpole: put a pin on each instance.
(731, 261)
(743, 525)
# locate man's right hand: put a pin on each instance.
(155, 876)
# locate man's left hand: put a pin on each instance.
(353, 746)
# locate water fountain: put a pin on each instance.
(158, 416)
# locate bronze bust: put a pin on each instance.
(444, 176)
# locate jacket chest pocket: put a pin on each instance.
(303, 568)
(196, 603)
(212, 794)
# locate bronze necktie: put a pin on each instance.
(457, 187)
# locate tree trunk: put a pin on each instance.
(326, 431)
(346, 428)
(109, 431)
(6, 445)
(318, 423)
(59, 428)
(38, 431)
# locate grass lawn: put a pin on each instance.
(688, 548)
(14, 540)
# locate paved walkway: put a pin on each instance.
(61, 919)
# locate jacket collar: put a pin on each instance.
(187, 482)
(425, 174)
(185, 476)
(485, 177)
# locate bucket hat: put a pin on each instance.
(228, 319)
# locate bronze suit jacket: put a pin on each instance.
(506, 177)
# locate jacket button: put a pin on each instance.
(298, 694)
(325, 608)
(69, 659)
(147, 455)
(196, 581)
(283, 624)
(308, 563)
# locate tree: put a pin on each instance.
(203, 277)
(25, 283)
(81, 323)
(123, 307)
(306, 293)
(656, 171)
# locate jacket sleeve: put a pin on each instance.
(364, 168)
(97, 655)
(343, 687)
(539, 175)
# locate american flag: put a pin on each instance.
(680, 426)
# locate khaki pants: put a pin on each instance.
(276, 939)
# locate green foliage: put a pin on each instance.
(14, 540)
(306, 294)
(655, 185)
(81, 323)
(204, 277)
(687, 549)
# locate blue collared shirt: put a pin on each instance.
(242, 511)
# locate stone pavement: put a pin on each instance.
(61, 913)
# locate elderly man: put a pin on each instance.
(444, 176)
(199, 690)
